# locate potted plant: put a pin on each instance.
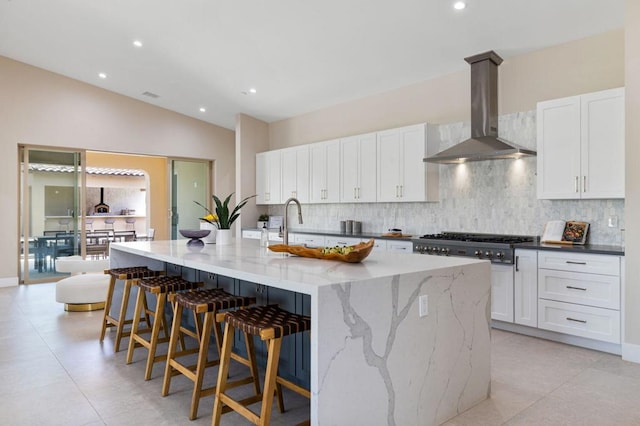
(263, 220)
(223, 218)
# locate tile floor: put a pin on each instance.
(54, 371)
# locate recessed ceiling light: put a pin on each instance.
(203, 109)
(459, 5)
(253, 91)
(137, 43)
(102, 75)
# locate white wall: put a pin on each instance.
(45, 109)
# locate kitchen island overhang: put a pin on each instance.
(374, 359)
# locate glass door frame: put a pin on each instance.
(24, 205)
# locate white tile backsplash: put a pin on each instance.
(497, 196)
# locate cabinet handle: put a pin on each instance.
(576, 320)
(397, 191)
(571, 262)
(401, 191)
(267, 196)
(355, 193)
(577, 183)
(517, 258)
(358, 192)
(576, 288)
(584, 184)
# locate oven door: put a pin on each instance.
(502, 292)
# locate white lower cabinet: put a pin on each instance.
(579, 294)
(525, 288)
(502, 292)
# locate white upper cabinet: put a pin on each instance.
(295, 173)
(268, 179)
(581, 146)
(325, 172)
(358, 169)
(402, 175)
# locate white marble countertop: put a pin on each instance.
(246, 260)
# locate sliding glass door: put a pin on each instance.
(189, 182)
(51, 185)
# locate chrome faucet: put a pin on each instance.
(285, 228)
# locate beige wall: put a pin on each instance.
(158, 193)
(632, 199)
(587, 65)
(252, 136)
(42, 108)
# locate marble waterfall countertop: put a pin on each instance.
(374, 358)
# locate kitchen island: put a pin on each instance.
(374, 359)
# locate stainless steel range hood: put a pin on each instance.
(484, 143)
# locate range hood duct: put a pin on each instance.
(484, 143)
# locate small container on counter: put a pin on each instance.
(349, 227)
(357, 227)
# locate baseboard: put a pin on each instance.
(583, 342)
(9, 282)
(631, 352)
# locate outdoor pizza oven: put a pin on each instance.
(101, 207)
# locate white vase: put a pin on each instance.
(211, 238)
(223, 237)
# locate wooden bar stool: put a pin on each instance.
(270, 323)
(208, 302)
(130, 276)
(161, 287)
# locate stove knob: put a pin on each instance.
(445, 251)
(432, 250)
(500, 255)
(488, 254)
(478, 253)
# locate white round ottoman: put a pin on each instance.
(87, 289)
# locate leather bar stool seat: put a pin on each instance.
(271, 324)
(206, 303)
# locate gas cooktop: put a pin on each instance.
(480, 238)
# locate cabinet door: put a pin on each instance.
(324, 172)
(502, 292)
(318, 178)
(262, 179)
(603, 144)
(558, 157)
(367, 167)
(525, 291)
(413, 169)
(358, 168)
(389, 165)
(349, 157)
(273, 167)
(295, 174)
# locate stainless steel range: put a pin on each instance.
(494, 247)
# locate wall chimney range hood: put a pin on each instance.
(484, 143)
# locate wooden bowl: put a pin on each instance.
(360, 252)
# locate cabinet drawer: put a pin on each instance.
(309, 240)
(400, 246)
(579, 262)
(584, 321)
(254, 235)
(341, 241)
(585, 289)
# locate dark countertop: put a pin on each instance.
(339, 234)
(587, 248)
